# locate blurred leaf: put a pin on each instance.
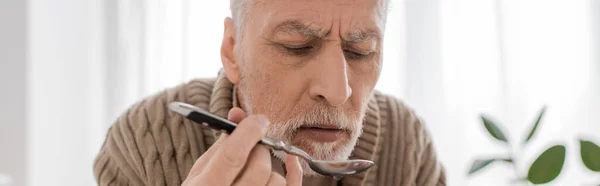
(548, 165)
(493, 129)
(535, 125)
(479, 164)
(509, 160)
(590, 155)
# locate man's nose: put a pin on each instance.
(330, 80)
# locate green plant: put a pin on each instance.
(590, 155)
(544, 169)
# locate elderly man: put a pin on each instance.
(302, 71)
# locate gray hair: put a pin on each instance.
(238, 10)
(239, 14)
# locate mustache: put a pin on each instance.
(315, 115)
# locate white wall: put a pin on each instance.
(65, 90)
(12, 91)
(595, 10)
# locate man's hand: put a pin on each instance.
(236, 159)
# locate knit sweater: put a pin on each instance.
(151, 145)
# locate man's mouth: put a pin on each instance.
(320, 133)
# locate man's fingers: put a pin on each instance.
(201, 162)
(257, 169)
(294, 170)
(232, 154)
(276, 180)
(236, 115)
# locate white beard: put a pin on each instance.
(284, 130)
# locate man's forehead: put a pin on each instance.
(342, 2)
(312, 17)
(379, 5)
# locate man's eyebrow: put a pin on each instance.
(298, 27)
(362, 35)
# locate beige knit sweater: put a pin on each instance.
(150, 145)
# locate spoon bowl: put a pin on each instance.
(335, 168)
(340, 167)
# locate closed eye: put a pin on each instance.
(352, 55)
(299, 50)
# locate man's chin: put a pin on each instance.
(321, 150)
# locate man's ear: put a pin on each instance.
(230, 65)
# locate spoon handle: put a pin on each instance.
(290, 149)
(207, 119)
(203, 117)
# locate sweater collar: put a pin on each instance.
(224, 98)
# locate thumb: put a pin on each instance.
(236, 115)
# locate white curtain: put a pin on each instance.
(450, 60)
(509, 58)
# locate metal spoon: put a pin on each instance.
(337, 168)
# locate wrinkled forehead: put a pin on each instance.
(379, 5)
(347, 15)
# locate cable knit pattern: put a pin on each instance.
(408, 157)
(150, 145)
